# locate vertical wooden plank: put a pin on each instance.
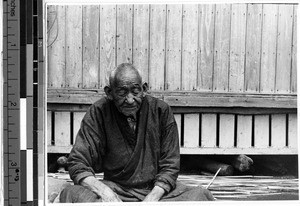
(269, 42)
(208, 130)
(206, 46)
(49, 127)
(284, 48)
(56, 22)
(222, 42)
(173, 47)
(178, 122)
(292, 132)
(107, 42)
(189, 46)
(77, 117)
(237, 47)
(62, 129)
(141, 39)
(261, 131)
(244, 131)
(191, 130)
(278, 130)
(253, 47)
(74, 46)
(226, 138)
(90, 27)
(157, 46)
(294, 54)
(124, 33)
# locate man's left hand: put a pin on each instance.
(155, 194)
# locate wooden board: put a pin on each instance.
(77, 117)
(253, 47)
(191, 130)
(107, 42)
(209, 130)
(261, 131)
(189, 46)
(62, 128)
(226, 131)
(56, 20)
(173, 47)
(206, 46)
(278, 130)
(269, 42)
(49, 127)
(292, 131)
(90, 45)
(294, 54)
(141, 39)
(74, 46)
(284, 48)
(124, 33)
(222, 42)
(178, 122)
(244, 131)
(157, 46)
(237, 47)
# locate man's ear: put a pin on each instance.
(145, 87)
(108, 92)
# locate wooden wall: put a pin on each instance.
(227, 48)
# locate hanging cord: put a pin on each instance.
(49, 30)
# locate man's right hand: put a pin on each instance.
(102, 190)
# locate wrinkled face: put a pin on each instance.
(127, 93)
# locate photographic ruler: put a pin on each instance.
(23, 103)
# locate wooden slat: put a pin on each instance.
(269, 42)
(226, 132)
(77, 117)
(178, 122)
(56, 17)
(74, 46)
(189, 46)
(141, 39)
(157, 46)
(62, 129)
(90, 41)
(49, 127)
(278, 130)
(292, 132)
(237, 47)
(107, 42)
(206, 46)
(261, 131)
(253, 47)
(124, 33)
(191, 130)
(173, 47)
(244, 131)
(209, 130)
(294, 54)
(221, 53)
(284, 48)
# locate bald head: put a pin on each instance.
(124, 71)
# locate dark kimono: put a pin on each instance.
(133, 161)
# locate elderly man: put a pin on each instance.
(133, 138)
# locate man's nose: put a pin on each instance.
(130, 98)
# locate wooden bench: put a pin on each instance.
(202, 130)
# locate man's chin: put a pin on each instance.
(129, 112)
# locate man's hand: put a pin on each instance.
(155, 194)
(102, 190)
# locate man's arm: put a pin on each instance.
(99, 188)
(155, 194)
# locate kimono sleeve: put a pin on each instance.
(169, 162)
(86, 155)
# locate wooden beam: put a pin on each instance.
(183, 99)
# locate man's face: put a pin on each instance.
(127, 93)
